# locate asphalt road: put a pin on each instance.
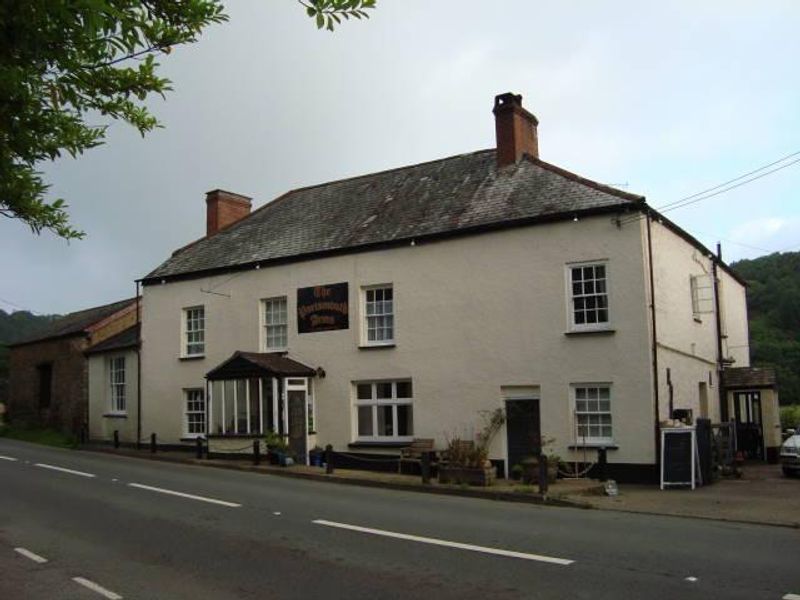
(117, 523)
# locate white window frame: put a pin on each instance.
(375, 402)
(187, 412)
(186, 345)
(365, 319)
(571, 297)
(702, 295)
(266, 324)
(117, 400)
(589, 440)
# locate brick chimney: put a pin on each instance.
(224, 209)
(515, 128)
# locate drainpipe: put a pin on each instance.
(654, 346)
(723, 404)
(138, 366)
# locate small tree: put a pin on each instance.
(62, 61)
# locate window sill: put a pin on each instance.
(192, 438)
(392, 444)
(579, 332)
(233, 435)
(115, 415)
(593, 446)
(192, 357)
(376, 346)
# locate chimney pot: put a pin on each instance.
(515, 128)
(223, 209)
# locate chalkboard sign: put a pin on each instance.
(323, 308)
(678, 456)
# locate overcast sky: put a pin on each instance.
(662, 99)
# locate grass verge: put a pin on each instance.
(47, 437)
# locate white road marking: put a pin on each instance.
(63, 470)
(11, 458)
(97, 588)
(691, 579)
(183, 495)
(277, 513)
(33, 556)
(438, 542)
(791, 597)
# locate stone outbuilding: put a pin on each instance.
(48, 373)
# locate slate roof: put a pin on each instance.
(750, 377)
(254, 364)
(446, 196)
(128, 338)
(75, 323)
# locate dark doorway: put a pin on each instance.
(45, 384)
(297, 424)
(523, 427)
(749, 432)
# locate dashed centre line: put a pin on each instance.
(9, 458)
(446, 543)
(97, 588)
(184, 495)
(31, 555)
(791, 597)
(64, 470)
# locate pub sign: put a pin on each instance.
(323, 308)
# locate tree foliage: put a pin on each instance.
(773, 297)
(69, 67)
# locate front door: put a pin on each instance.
(297, 424)
(749, 434)
(523, 429)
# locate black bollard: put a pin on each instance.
(256, 452)
(116, 438)
(198, 444)
(425, 467)
(153, 443)
(602, 464)
(543, 474)
(328, 459)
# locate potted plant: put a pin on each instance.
(467, 462)
(277, 448)
(516, 472)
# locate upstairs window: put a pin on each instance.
(702, 292)
(588, 285)
(379, 315)
(275, 324)
(194, 331)
(116, 375)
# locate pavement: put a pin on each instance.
(762, 496)
(131, 528)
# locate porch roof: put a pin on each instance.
(243, 365)
(750, 377)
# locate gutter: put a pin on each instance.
(138, 366)
(723, 405)
(654, 341)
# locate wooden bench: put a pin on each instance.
(414, 452)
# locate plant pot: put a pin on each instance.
(482, 476)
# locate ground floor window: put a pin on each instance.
(592, 404)
(195, 412)
(384, 411)
(116, 371)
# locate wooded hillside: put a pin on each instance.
(773, 302)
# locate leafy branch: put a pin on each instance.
(328, 12)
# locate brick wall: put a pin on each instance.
(68, 403)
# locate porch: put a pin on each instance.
(252, 394)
